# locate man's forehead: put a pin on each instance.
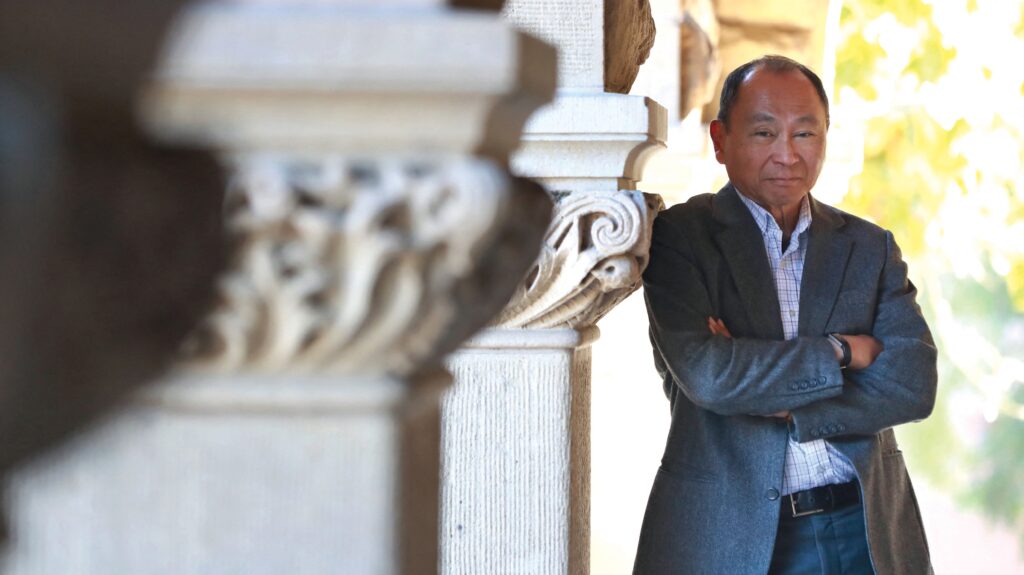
(765, 93)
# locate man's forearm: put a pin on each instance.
(749, 376)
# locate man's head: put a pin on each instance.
(771, 128)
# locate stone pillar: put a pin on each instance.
(373, 226)
(682, 73)
(110, 244)
(749, 29)
(515, 426)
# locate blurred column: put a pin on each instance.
(515, 426)
(374, 226)
(110, 243)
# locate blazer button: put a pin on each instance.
(815, 432)
(772, 494)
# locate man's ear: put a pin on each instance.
(718, 139)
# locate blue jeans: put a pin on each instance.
(822, 544)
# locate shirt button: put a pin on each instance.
(792, 313)
(772, 494)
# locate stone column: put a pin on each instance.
(515, 426)
(110, 244)
(374, 226)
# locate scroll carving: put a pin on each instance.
(345, 266)
(592, 257)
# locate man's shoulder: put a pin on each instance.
(698, 208)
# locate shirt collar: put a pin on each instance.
(767, 223)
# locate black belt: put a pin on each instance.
(821, 499)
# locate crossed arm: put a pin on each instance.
(863, 351)
(891, 379)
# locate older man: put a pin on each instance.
(790, 343)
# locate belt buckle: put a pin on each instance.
(792, 507)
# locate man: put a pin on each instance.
(789, 342)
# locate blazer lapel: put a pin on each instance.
(828, 251)
(740, 242)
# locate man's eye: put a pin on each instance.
(805, 134)
(763, 134)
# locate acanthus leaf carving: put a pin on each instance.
(593, 256)
(347, 266)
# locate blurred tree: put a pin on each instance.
(938, 90)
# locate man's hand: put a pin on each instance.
(717, 327)
(863, 350)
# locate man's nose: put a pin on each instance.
(785, 151)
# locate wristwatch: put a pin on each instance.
(843, 346)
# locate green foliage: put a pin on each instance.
(928, 176)
(931, 56)
(857, 70)
(999, 478)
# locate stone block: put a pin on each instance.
(629, 31)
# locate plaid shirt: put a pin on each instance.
(816, 462)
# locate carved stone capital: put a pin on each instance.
(593, 255)
(345, 266)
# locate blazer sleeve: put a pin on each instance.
(729, 376)
(900, 385)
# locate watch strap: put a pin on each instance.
(844, 346)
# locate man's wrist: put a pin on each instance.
(842, 349)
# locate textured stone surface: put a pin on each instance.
(567, 150)
(595, 249)
(576, 27)
(592, 257)
(515, 426)
(516, 457)
(346, 266)
(629, 31)
(240, 475)
(359, 81)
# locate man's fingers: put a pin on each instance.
(864, 349)
(722, 329)
(717, 327)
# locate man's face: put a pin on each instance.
(774, 145)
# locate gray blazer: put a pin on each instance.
(714, 506)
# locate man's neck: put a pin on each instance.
(786, 217)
